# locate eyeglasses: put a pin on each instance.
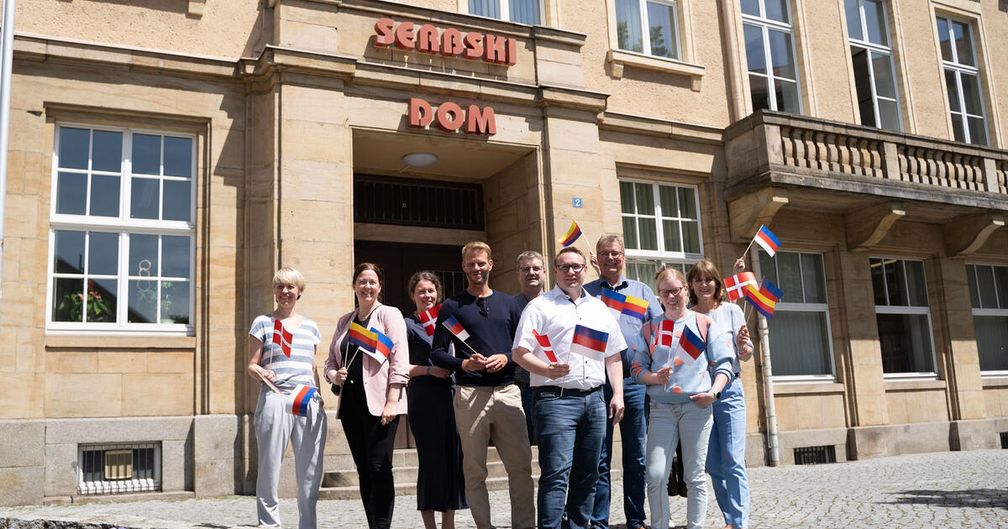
(612, 254)
(481, 303)
(571, 268)
(663, 292)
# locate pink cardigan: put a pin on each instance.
(377, 377)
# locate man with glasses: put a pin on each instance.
(636, 305)
(487, 402)
(531, 275)
(570, 411)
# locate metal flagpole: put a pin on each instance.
(7, 48)
(770, 409)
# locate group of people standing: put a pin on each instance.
(483, 368)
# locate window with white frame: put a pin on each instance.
(903, 316)
(122, 230)
(872, 57)
(769, 45)
(661, 227)
(800, 338)
(962, 81)
(989, 297)
(520, 11)
(661, 20)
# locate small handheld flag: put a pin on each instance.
(735, 285)
(269, 384)
(664, 335)
(589, 342)
(766, 238)
(547, 348)
(691, 343)
(362, 337)
(428, 319)
(456, 328)
(383, 347)
(624, 304)
(572, 235)
(300, 397)
(282, 337)
(765, 299)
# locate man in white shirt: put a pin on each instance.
(568, 369)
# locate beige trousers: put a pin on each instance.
(482, 415)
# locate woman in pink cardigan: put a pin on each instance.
(371, 392)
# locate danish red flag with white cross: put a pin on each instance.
(735, 285)
(664, 335)
(428, 319)
(282, 337)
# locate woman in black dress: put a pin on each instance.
(440, 484)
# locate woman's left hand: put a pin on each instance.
(742, 342)
(703, 399)
(389, 413)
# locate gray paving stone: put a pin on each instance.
(957, 490)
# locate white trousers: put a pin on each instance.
(275, 427)
(667, 425)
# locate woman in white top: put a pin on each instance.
(726, 454)
(281, 347)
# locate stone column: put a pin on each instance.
(956, 351)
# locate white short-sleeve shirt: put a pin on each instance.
(555, 315)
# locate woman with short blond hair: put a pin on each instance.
(281, 348)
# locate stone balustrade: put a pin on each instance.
(797, 150)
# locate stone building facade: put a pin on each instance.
(166, 156)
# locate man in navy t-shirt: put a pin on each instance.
(487, 402)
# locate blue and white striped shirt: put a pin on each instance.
(300, 367)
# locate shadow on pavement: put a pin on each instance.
(984, 498)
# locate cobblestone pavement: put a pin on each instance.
(942, 490)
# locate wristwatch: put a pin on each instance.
(717, 395)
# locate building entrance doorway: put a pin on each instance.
(399, 260)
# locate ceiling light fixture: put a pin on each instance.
(420, 159)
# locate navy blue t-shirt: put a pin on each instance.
(491, 331)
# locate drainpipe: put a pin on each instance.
(7, 32)
(732, 60)
(764, 337)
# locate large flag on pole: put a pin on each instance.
(735, 285)
(767, 239)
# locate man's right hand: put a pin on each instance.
(557, 370)
(476, 362)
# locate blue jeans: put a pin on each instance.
(570, 429)
(669, 424)
(726, 456)
(633, 430)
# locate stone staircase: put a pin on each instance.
(342, 484)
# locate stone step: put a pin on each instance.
(351, 492)
(342, 484)
(407, 472)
